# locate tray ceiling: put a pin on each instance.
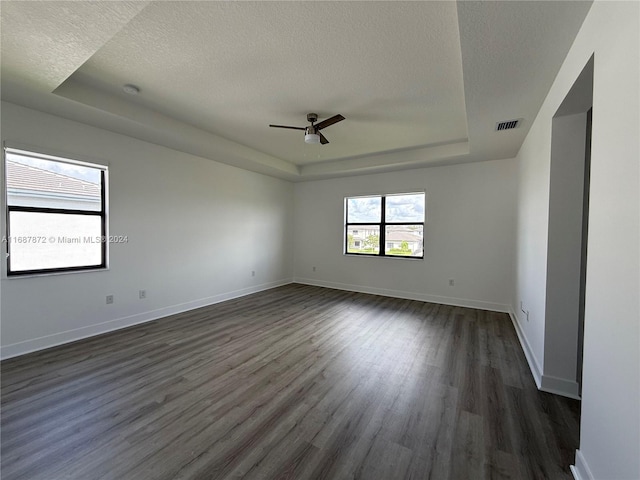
(420, 83)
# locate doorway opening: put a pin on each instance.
(568, 238)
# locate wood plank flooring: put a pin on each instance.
(297, 382)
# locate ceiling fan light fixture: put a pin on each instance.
(311, 138)
(312, 132)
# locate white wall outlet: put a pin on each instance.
(142, 294)
(109, 299)
(451, 282)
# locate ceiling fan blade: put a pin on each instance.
(323, 139)
(329, 121)
(287, 126)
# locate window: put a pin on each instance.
(56, 214)
(395, 221)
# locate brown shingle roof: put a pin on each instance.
(26, 177)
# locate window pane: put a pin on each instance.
(404, 240)
(363, 239)
(35, 182)
(364, 209)
(405, 208)
(54, 240)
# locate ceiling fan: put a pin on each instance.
(312, 132)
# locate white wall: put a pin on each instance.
(196, 230)
(564, 254)
(610, 422)
(469, 235)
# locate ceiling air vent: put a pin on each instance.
(507, 125)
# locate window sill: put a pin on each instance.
(52, 274)
(373, 255)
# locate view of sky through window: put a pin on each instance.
(405, 208)
(80, 172)
(364, 209)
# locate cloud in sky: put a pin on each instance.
(403, 208)
(364, 209)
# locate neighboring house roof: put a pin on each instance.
(395, 236)
(22, 177)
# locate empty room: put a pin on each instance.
(369, 240)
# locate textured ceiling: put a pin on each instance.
(234, 68)
(44, 42)
(420, 83)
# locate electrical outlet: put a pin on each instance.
(451, 282)
(253, 273)
(109, 299)
(142, 294)
(313, 268)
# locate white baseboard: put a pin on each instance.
(560, 386)
(456, 302)
(546, 383)
(48, 341)
(534, 366)
(581, 470)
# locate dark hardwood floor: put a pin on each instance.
(297, 382)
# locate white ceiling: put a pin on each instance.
(420, 83)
